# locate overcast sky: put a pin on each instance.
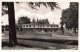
(23, 9)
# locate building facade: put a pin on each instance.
(39, 27)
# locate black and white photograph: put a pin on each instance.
(39, 25)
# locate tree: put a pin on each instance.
(12, 30)
(43, 21)
(64, 17)
(23, 20)
(10, 6)
(74, 14)
(4, 8)
(33, 21)
(46, 21)
(70, 16)
(62, 23)
(52, 5)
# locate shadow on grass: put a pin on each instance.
(69, 42)
(23, 45)
(30, 46)
(5, 44)
(73, 42)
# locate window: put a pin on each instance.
(26, 25)
(33, 25)
(43, 25)
(23, 25)
(51, 25)
(54, 25)
(38, 25)
(29, 25)
(47, 25)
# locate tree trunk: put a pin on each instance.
(62, 28)
(75, 30)
(12, 29)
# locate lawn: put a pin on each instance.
(44, 40)
(44, 36)
(38, 45)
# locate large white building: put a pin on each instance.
(39, 26)
(45, 27)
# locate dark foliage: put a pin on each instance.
(70, 16)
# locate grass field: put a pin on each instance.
(44, 40)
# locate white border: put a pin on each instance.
(38, 50)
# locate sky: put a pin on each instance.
(23, 9)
